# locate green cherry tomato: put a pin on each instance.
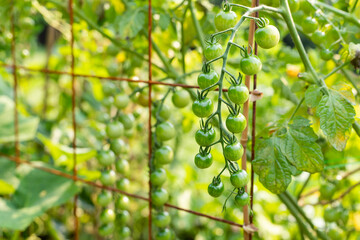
(162, 219)
(213, 50)
(216, 188)
(107, 102)
(127, 120)
(122, 166)
(163, 155)
(106, 158)
(318, 37)
(205, 137)
(334, 233)
(306, 7)
(123, 184)
(233, 151)
(267, 36)
(332, 214)
(108, 177)
(103, 117)
(158, 177)
(294, 5)
(203, 107)
(143, 98)
(159, 197)
(242, 200)
(181, 98)
(109, 88)
(203, 161)
(239, 179)
(225, 20)
(118, 146)
(309, 25)
(165, 131)
(104, 198)
(106, 229)
(114, 129)
(107, 216)
(238, 94)
(327, 191)
(164, 112)
(122, 202)
(163, 234)
(207, 79)
(250, 65)
(326, 54)
(123, 217)
(236, 124)
(125, 232)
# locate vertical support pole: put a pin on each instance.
(73, 101)
(149, 122)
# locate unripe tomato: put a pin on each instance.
(309, 25)
(318, 37)
(236, 124)
(306, 7)
(215, 189)
(267, 36)
(107, 102)
(108, 177)
(213, 50)
(164, 112)
(163, 155)
(203, 107)
(104, 198)
(143, 98)
(165, 131)
(122, 203)
(118, 146)
(205, 137)
(107, 216)
(123, 217)
(109, 88)
(127, 120)
(106, 229)
(162, 219)
(158, 177)
(239, 179)
(159, 197)
(233, 151)
(103, 117)
(238, 94)
(334, 233)
(125, 232)
(207, 79)
(331, 214)
(106, 158)
(114, 129)
(294, 5)
(123, 184)
(163, 234)
(122, 166)
(326, 54)
(121, 100)
(225, 20)
(242, 200)
(203, 161)
(327, 191)
(181, 98)
(250, 65)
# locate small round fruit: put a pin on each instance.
(108, 177)
(104, 198)
(162, 219)
(331, 214)
(107, 216)
(213, 50)
(106, 158)
(163, 155)
(242, 200)
(158, 177)
(118, 146)
(124, 232)
(165, 131)
(109, 88)
(326, 54)
(334, 233)
(143, 98)
(318, 37)
(159, 197)
(239, 179)
(106, 229)
(233, 151)
(108, 102)
(294, 5)
(181, 98)
(123, 184)
(122, 166)
(238, 94)
(215, 189)
(250, 65)
(236, 124)
(163, 234)
(122, 202)
(309, 25)
(205, 137)
(327, 191)
(225, 20)
(205, 80)
(203, 161)
(127, 120)
(267, 36)
(164, 112)
(123, 217)
(203, 107)
(114, 129)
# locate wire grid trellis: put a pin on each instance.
(149, 81)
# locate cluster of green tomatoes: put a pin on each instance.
(267, 36)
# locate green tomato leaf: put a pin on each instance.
(131, 22)
(164, 21)
(313, 96)
(281, 86)
(336, 117)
